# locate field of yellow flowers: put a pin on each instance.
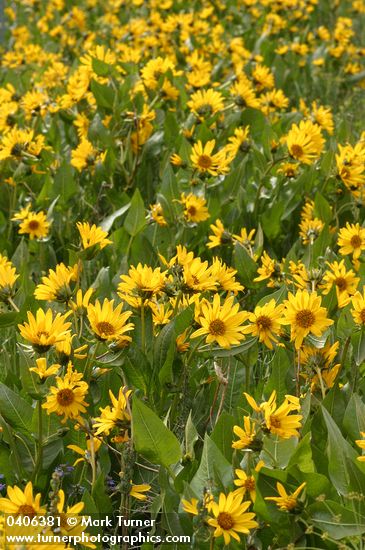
(182, 274)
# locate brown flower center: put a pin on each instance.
(191, 210)
(297, 151)
(217, 327)
(26, 510)
(41, 333)
(362, 316)
(305, 318)
(263, 322)
(33, 225)
(105, 328)
(341, 283)
(356, 241)
(205, 161)
(275, 422)
(250, 484)
(225, 521)
(65, 397)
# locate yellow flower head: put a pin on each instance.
(108, 323)
(220, 235)
(195, 209)
(86, 156)
(22, 503)
(43, 331)
(344, 281)
(286, 501)
(305, 142)
(221, 323)
(67, 397)
(358, 303)
(206, 103)
(56, 287)
(246, 434)
(351, 239)
(204, 161)
(114, 416)
(92, 235)
(141, 284)
(42, 370)
(230, 517)
(265, 323)
(304, 314)
(35, 225)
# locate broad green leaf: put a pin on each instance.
(135, 220)
(212, 463)
(17, 412)
(152, 438)
(336, 520)
(222, 435)
(245, 265)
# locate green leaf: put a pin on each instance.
(152, 439)
(222, 435)
(322, 209)
(279, 379)
(104, 95)
(245, 265)
(135, 220)
(100, 497)
(354, 418)
(302, 456)
(358, 345)
(17, 412)
(235, 350)
(336, 520)
(64, 183)
(213, 467)
(136, 368)
(108, 222)
(191, 436)
(271, 220)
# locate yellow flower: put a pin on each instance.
(262, 77)
(138, 490)
(108, 323)
(195, 209)
(247, 483)
(197, 277)
(82, 301)
(278, 420)
(351, 166)
(35, 225)
(359, 442)
(141, 284)
(116, 415)
(206, 103)
(92, 235)
(265, 323)
(246, 434)
(15, 143)
(8, 277)
(244, 94)
(358, 302)
(225, 277)
(310, 230)
(270, 269)
(43, 331)
(305, 142)
(181, 344)
(286, 501)
(221, 323)
(344, 281)
(92, 446)
(67, 397)
(176, 160)
(231, 518)
(56, 287)
(238, 142)
(85, 155)
(157, 214)
(221, 236)
(204, 161)
(42, 370)
(191, 507)
(304, 314)
(351, 239)
(22, 503)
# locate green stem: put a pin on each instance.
(143, 328)
(89, 361)
(38, 465)
(13, 305)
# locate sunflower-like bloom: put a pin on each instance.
(279, 420)
(323, 117)
(22, 503)
(238, 142)
(92, 235)
(270, 269)
(205, 103)
(137, 491)
(195, 209)
(67, 397)
(310, 230)
(246, 434)
(220, 235)
(154, 69)
(351, 239)
(92, 446)
(42, 331)
(358, 303)
(305, 142)
(108, 323)
(36, 225)
(304, 314)
(141, 284)
(360, 443)
(56, 287)
(231, 518)
(221, 323)
(15, 142)
(198, 276)
(247, 483)
(42, 370)
(116, 415)
(286, 501)
(344, 281)
(77, 527)
(157, 214)
(203, 159)
(350, 163)
(85, 155)
(225, 277)
(244, 94)
(265, 323)
(8, 277)
(82, 301)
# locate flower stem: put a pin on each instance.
(143, 328)
(38, 465)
